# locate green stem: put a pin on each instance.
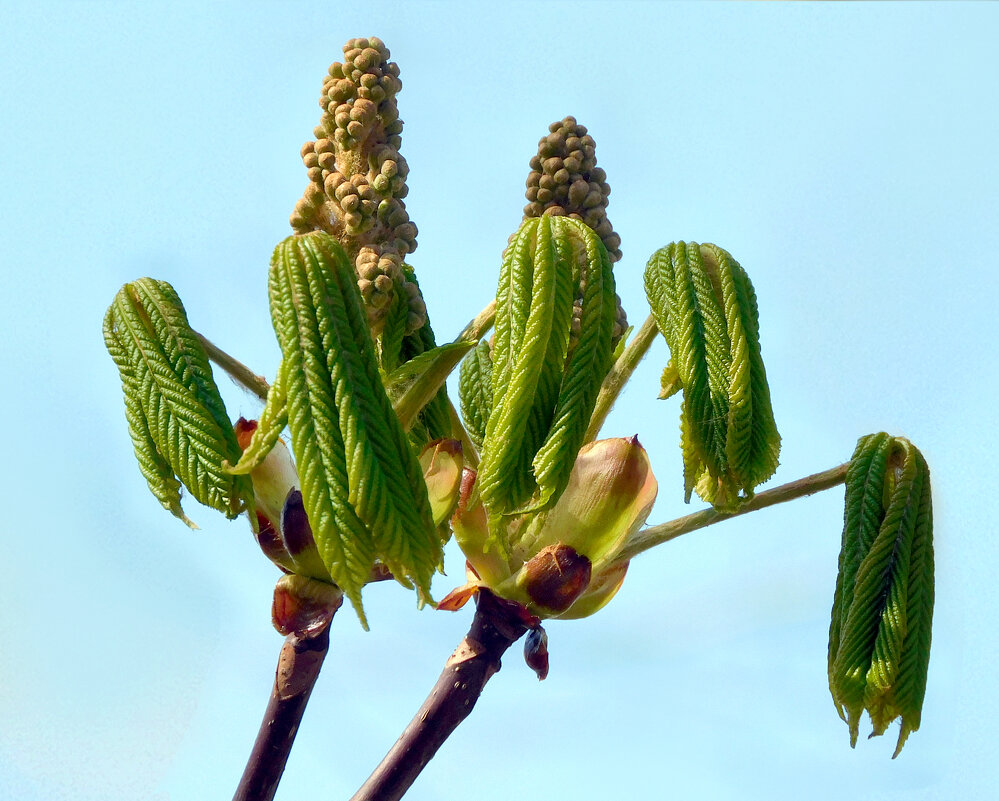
(619, 374)
(656, 535)
(239, 372)
(479, 325)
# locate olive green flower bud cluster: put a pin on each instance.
(358, 178)
(565, 181)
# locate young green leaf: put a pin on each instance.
(361, 483)
(435, 419)
(415, 384)
(705, 307)
(533, 308)
(176, 418)
(273, 420)
(475, 390)
(879, 636)
(588, 362)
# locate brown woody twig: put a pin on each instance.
(496, 626)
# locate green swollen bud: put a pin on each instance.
(441, 463)
(610, 494)
(562, 563)
(274, 477)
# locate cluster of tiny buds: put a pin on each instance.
(566, 181)
(379, 274)
(359, 95)
(357, 177)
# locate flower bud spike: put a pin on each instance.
(357, 186)
(565, 181)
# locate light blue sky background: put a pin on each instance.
(844, 153)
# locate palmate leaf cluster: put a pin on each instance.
(360, 480)
(879, 637)
(705, 307)
(543, 391)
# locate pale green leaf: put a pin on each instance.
(178, 422)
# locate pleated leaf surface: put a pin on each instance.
(179, 427)
(705, 307)
(541, 403)
(879, 637)
(360, 480)
(475, 391)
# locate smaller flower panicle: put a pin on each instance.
(565, 181)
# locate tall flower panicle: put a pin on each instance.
(357, 182)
